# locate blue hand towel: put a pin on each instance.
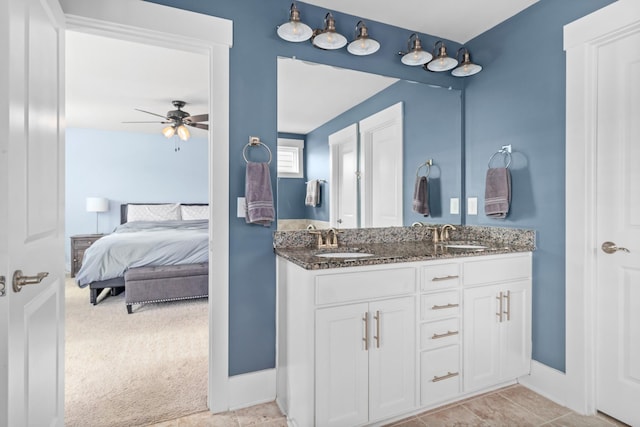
(258, 194)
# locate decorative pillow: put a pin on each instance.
(165, 212)
(194, 212)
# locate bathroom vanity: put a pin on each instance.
(365, 340)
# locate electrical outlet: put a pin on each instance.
(472, 206)
(241, 204)
(454, 206)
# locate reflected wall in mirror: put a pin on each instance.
(316, 101)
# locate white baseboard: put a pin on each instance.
(547, 382)
(252, 389)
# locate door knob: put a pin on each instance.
(19, 280)
(610, 248)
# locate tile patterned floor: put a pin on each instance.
(507, 407)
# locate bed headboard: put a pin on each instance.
(124, 208)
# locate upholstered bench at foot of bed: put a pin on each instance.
(166, 283)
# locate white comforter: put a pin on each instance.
(142, 243)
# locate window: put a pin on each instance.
(290, 158)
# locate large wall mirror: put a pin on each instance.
(316, 102)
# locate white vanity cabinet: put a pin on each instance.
(362, 345)
(497, 320)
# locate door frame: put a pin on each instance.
(151, 23)
(582, 39)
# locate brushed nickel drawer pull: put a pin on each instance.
(446, 334)
(508, 312)
(444, 377)
(443, 307)
(440, 279)
(500, 312)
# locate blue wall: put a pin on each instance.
(432, 130)
(519, 99)
(128, 167)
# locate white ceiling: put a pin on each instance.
(456, 20)
(107, 78)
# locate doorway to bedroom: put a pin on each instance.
(152, 364)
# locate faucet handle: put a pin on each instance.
(435, 236)
(319, 234)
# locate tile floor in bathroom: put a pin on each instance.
(507, 407)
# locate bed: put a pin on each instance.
(161, 241)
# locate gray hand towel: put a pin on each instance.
(421, 196)
(497, 194)
(258, 195)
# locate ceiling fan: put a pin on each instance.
(178, 120)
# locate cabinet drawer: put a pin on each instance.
(440, 374)
(439, 334)
(344, 287)
(439, 305)
(441, 276)
(497, 270)
(83, 244)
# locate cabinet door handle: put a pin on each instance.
(444, 377)
(446, 334)
(508, 312)
(440, 279)
(499, 313)
(365, 338)
(377, 335)
(442, 307)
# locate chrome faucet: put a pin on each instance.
(444, 232)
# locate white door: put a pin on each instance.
(32, 216)
(343, 146)
(392, 366)
(342, 342)
(618, 213)
(381, 137)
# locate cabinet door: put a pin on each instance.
(516, 330)
(342, 365)
(392, 368)
(481, 337)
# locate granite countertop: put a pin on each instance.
(389, 253)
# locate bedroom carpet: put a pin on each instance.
(133, 369)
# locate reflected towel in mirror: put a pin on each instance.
(312, 197)
(497, 194)
(421, 196)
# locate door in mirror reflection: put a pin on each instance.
(344, 177)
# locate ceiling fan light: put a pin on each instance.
(169, 131)
(294, 30)
(183, 132)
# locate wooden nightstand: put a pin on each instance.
(79, 244)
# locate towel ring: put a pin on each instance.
(427, 165)
(507, 158)
(254, 144)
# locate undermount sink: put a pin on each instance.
(343, 255)
(464, 246)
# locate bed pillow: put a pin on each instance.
(164, 212)
(194, 212)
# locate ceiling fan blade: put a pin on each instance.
(198, 118)
(148, 122)
(198, 125)
(149, 112)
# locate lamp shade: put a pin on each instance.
(97, 204)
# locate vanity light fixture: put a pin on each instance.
(363, 44)
(294, 30)
(465, 68)
(441, 61)
(415, 55)
(328, 38)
